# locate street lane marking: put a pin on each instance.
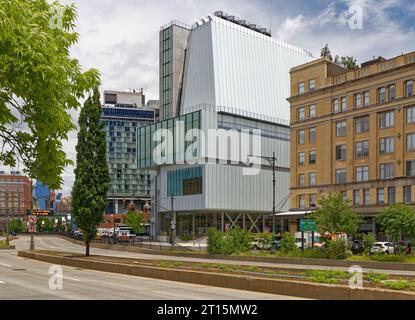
(5, 265)
(2, 282)
(67, 278)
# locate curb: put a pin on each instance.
(239, 282)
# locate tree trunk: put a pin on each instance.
(87, 248)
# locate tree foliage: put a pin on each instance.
(288, 243)
(398, 221)
(89, 193)
(346, 62)
(335, 216)
(135, 220)
(368, 242)
(39, 84)
(46, 226)
(17, 226)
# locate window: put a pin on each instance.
(341, 152)
(386, 171)
(392, 92)
(344, 196)
(344, 104)
(366, 95)
(362, 124)
(301, 180)
(391, 195)
(312, 178)
(301, 114)
(381, 196)
(301, 137)
(366, 197)
(312, 85)
(301, 88)
(312, 157)
(362, 174)
(341, 176)
(410, 114)
(336, 106)
(409, 88)
(301, 201)
(301, 158)
(341, 129)
(312, 200)
(410, 168)
(356, 198)
(407, 194)
(386, 145)
(362, 149)
(358, 101)
(410, 142)
(382, 95)
(312, 135)
(386, 119)
(312, 111)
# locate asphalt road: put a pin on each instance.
(22, 278)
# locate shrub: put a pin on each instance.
(288, 243)
(186, 237)
(337, 249)
(326, 276)
(235, 241)
(368, 242)
(375, 277)
(396, 284)
(17, 226)
(216, 241)
(264, 238)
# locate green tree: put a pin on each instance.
(44, 225)
(39, 84)
(398, 221)
(288, 243)
(335, 216)
(325, 52)
(368, 242)
(89, 193)
(135, 220)
(17, 226)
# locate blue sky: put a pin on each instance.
(120, 37)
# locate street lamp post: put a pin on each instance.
(272, 161)
(7, 217)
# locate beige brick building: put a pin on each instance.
(354, 132)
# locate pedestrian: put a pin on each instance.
(408, 250)
(194, 239)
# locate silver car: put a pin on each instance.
(383, 247)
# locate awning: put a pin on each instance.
(292, 213)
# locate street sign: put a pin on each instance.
(173, 226)
(307, 225)
(31, 226)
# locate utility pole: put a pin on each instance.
(32, 240)
(173, 223)
(7, 217)
(273, 163)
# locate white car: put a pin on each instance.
(383, 247)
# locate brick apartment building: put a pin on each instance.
(354, 132)
(15, 197)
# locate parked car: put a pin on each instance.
(383, 247)
(357, 247)
(257, 244)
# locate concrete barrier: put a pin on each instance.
(240, 282)
(300, 261)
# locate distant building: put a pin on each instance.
(353, 132)
(42, 195)
(15, 197)
(122, 114)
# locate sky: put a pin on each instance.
(120, 37)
